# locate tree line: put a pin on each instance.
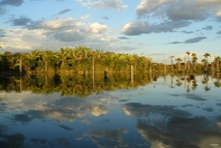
(68, 60)
(84, 60)
(191, 64)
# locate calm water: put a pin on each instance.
(167, 113)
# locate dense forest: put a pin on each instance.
(78, 60)
(83, 60)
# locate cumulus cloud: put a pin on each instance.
(173, 11)
(103, 4)
(57, 24)
(147, 6)
(177, 9)
(56, 33)
(69, 35)
(135, 28)
(96, 28)
(139, 27)
(22, 21)
(177, 12)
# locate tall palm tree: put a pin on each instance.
(206, 65)
(30, 60)
(18, 60)
(179, 64)
(188, 60)
(194, 61)
(171, 61)
(46, 58)
(217, 62)
(8, 60)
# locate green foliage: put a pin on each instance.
(76, 59)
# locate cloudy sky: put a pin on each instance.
(154, 28)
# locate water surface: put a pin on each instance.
(170, 112)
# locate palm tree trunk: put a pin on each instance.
(185, 63)
(217, 66)
(20, 66)
(172, 66)
(131, 73)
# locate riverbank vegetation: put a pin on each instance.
(81, 60)
(85, 61)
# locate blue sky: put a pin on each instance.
(154, 28)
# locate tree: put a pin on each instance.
(30, 60)
(217, 62)
(206, 62)
(179, 63)
(8, 60)
(47, 57)
(188, 60)
(194, 61)
(18, 60)
(171, 61)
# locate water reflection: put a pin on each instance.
(163, 111)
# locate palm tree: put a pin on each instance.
(217, 62)
(30, 60)
(194, 61)
(206, 65)
(8, 60)
(188, 60)
(46, 58)
(62, 57)
(131, 62)
(179, 64)
(171, 61)
(18, 60)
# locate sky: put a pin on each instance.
(153, 28)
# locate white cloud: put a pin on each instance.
(171, 15)
(177, 12)
(147, 6)
(69, 35)
(135, 28)
(61, 24)
(179, 9)
(96, 28)
(103, 4)
(139, 27)
(57, 33)
(207, 2)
